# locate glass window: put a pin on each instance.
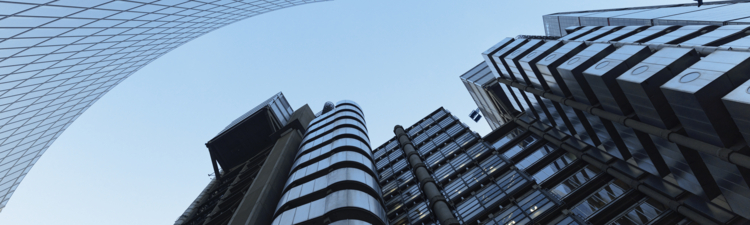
(399, 165)
(465, 138)
(447, 121)
(460, 161)
(11, 8)
(478, 150)
(442, 173)
(535, 204)
(434, 159)
(512, 216)
(600, 198)
(520, 146)
(511, 181)
(505, 139)
(441, 138)
(453, 130)
(492, 164)
(575, 181)
(535, 156)
(426, 148)
(553, 167)
(449, 149)
(411, 193)
(469, 209)
(419, 213)
(641, 213)
(433, 130)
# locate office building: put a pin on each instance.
(251, 158)
(58, 57)
(710, 13)
(279, 166)
(320, 170)
(604, 125)
(663, 110)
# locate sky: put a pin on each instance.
(137, 156)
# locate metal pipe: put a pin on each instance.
(429, 188)
(725, 154)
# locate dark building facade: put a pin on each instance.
(661, 111)
(251, 158)
(275, 165)
(614, 124)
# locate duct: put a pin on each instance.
(439, 205)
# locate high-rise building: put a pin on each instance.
(251, 158)
(320, 170)
(661, 110)
(710, 13)
(274, 165)
(605, 125)
(57, 57)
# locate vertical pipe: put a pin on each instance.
(429, 188)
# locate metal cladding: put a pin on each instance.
(333, 179)
(738, 105)
(710, 13)
(474, 80)
(599, 33)
(648, 101)
(477, 184)
(58, 57)
(602, 80)
(717, 37)
(682, 34)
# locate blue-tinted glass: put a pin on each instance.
(599, 199)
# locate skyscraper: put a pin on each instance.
(251, 158)
(436, 171)
(659, 108)
(280, 166)
(333, 179)
(710, 13)
(57, 57)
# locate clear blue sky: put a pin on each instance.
(137, 156)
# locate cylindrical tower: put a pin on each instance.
(333, 178)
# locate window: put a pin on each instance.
(600, 198)
(575, 181)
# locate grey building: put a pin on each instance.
(275, 165)
(639, 124)
(662, 110)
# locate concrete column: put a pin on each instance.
(261, 198)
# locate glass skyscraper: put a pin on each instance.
(661, 111)
(57, 57)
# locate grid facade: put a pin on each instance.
(57, 57)
(511, 176)
(649, 109)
